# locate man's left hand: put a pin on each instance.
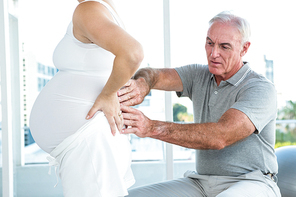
(136, 122)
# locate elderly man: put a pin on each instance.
(234, 112)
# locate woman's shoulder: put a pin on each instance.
(88, 9)
(90, 15)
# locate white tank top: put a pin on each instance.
(62, 105)
(71, 55)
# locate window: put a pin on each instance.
(149, 32)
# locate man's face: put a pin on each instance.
(224, 50)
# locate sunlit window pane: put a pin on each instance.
(145, 23)
(40, 32)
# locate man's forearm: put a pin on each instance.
(149, 74)
(195, 136)
(160, 79)
(232, 127)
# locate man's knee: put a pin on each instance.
(184, 187)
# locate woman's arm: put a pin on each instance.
(93, 23)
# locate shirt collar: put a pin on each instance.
(239, 76)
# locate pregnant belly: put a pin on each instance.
(61, 107)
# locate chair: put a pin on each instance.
(286, 157)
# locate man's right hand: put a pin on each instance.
(133, 92)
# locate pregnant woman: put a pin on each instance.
(76, 116)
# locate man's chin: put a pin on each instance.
(215, 71)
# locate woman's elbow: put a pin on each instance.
(136, 56)
(130, 57)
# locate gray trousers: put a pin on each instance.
(253, 184)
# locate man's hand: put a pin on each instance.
(137, 123)
(133, 92)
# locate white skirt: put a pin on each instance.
(94, 163)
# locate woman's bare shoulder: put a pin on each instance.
(91, 9)
(90, 15)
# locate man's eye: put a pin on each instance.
(225, 47)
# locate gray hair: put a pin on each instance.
(240, 23)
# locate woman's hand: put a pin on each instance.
(109, 104)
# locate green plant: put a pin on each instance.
(281, 144)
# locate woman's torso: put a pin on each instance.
(61, 107)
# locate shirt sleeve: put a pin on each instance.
(257, 100)
(190, 75)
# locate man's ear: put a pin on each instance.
(245, 48)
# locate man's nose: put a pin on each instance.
(215, 52)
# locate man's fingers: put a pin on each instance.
(127, 84)
(129, 130)
(131, 123)
(128, 109)
(127, 103)
(126, 97)
(122, 91)
(125, 89)
(130, 116)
